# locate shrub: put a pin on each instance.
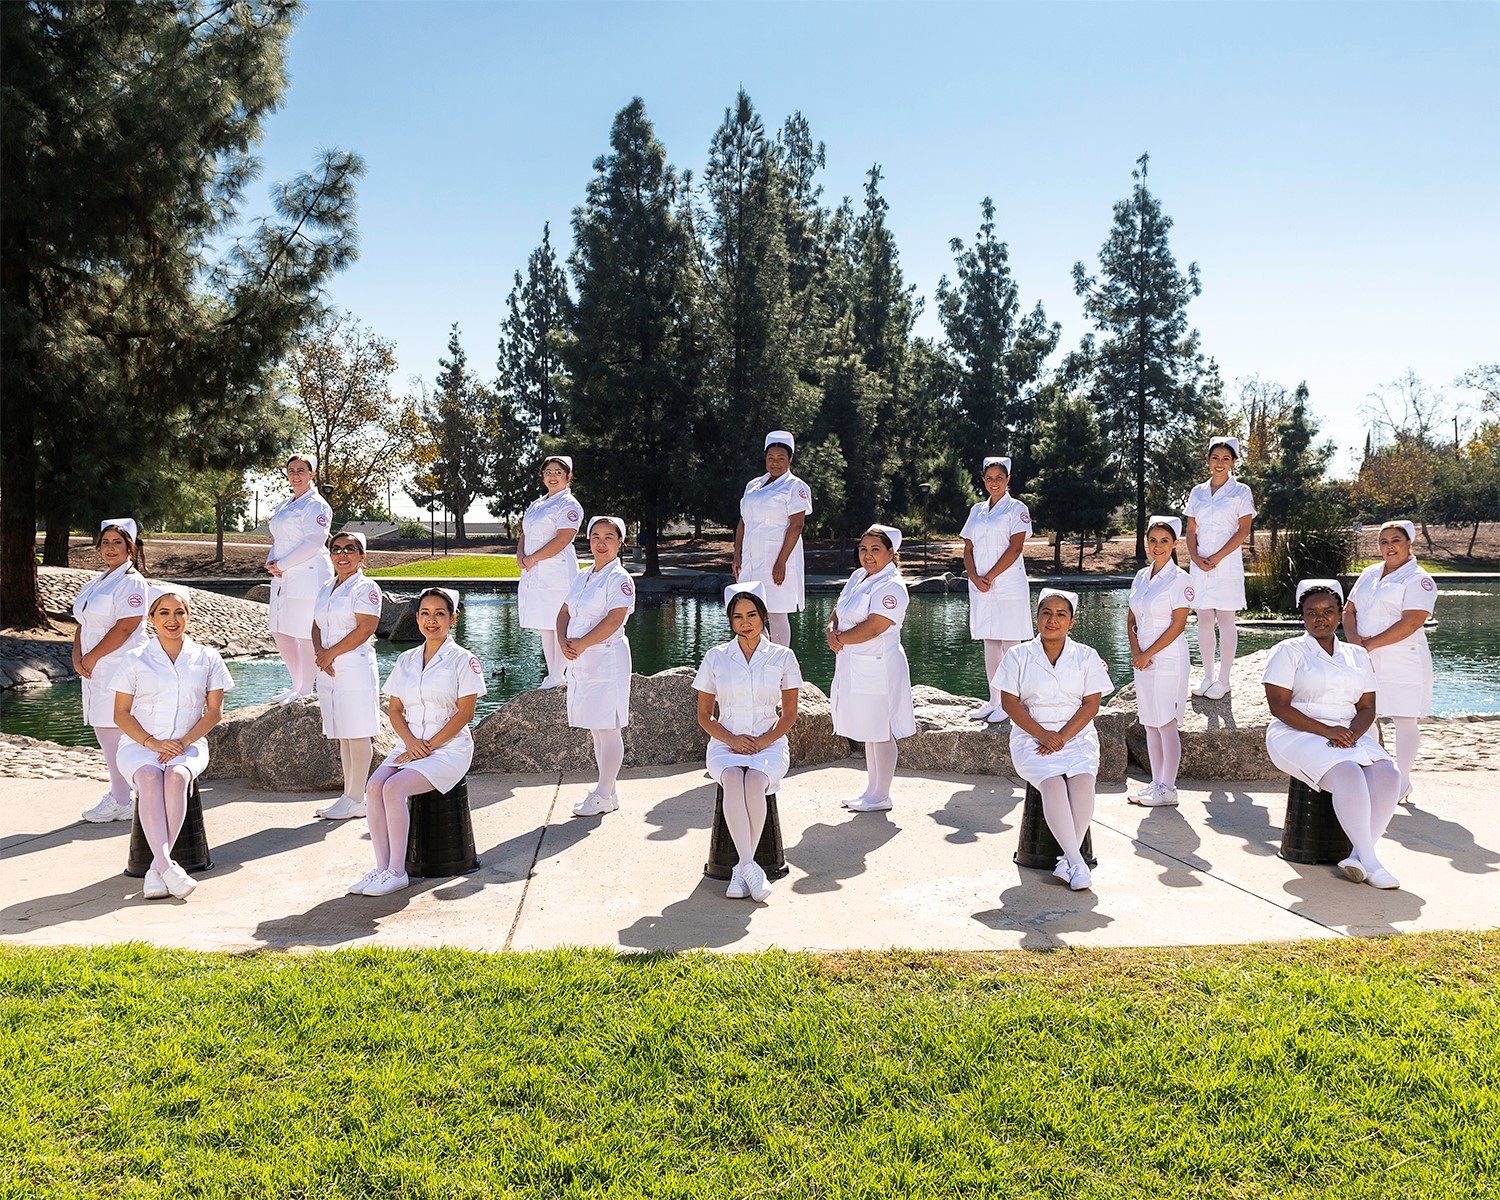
(1320, 545)
(409, 528)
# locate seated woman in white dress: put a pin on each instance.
(591, 632)
(1321, 693)
(433, 688)
(1051, 688)
(871, 693)
(754, 682)
(168, 694)
(1160, 597)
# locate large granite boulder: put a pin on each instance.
(390, 613)
(932, 583)
(812, 740)
(404, 628)
(259, 594)
(1221, 739)
(281, 748)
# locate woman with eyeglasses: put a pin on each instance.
(548, 562)
(299, 568)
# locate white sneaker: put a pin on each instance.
(1143, 796)
(1203, 685)
(997, 717)
(1081, 880)
(1161, 797)
(107, 810)
(865, 804)
(738, 889)
(1063, 870)
(342, 809)
(1381, 878)
(387, 882)
(756, 882)
(154, 887)
(852, 803)
(357, 888)
(595, 805)
(550, 682)
(1406, 797)
(1216, 690)
(1353, 869)
(285, 696)
(982, 713)
(178, 881)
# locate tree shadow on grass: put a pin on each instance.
(1043, 910)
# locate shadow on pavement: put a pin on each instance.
(830, 853)
(705, 917)
(1042, 909)
(982, 809)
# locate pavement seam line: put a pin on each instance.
(535, 855)
(1222, 879)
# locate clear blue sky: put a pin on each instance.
(1334, 168)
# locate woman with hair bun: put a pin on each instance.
(768, 538)
(548, 562)
(111, 613)
(1219, 515)
(299, 567)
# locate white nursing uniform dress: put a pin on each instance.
(871, 695)
(429, 696)
(349, 699)
(1403, 670)
(749, 698)
(1218, 515)
(1051, 693)
(767, 508)
(545, 586)
(1161, 690)
(1002, 614)
(105, 600)
(599, 678)
(1326, 688)
(299, 529)
(168, 699)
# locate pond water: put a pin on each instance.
(1466, 652)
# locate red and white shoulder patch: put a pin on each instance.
(888, 601)
(627, 588)
(474, 665)
(136, 600)
(572, 514)
(1428, 586)
(323, 520)
(373, 596)
(802, 492)
(1189, 594)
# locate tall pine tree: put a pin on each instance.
(1291, 482)
(531, 371)
(1076, 485)
(455, 415)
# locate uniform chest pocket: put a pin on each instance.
(867, 674)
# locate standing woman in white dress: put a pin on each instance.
(871, 692)
(591, 631)
(344, 620)
(548, 562)
(1160, 596)
(168, 694)
(1051, 687)
(433, 688)
(999, 595)
(1219, 515)
(1321, 693)
(111, 612)
(754, 682)
(1388, 607)
(768, 538)
(299, 567)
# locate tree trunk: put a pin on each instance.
(1057, 550)
(458, 529)
(1426, 537)
(1080, 553)
(59, 522)
(648, 544)
(19, 607)
(1474, 537)
(218, 533)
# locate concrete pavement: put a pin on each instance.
(935, 872)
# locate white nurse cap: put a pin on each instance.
(892, 534)
(157, 590)
(615, 521)
(449, 592)
(1004, 461)
(752, 588)
(1225, 440)
(124, 523)
(1310, 585)
(353, 534)
(310, 459)
(781, 437)
(1070, 597)
(565, 459)
(1405, 526)
(1172, 523)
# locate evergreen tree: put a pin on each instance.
(460, 442)
(531, 370)
(636, 350)
(1292, 481)
(1143, 373)
(1076, 485)
(999, 351)
(124, 147)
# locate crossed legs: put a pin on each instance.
(1364, 800)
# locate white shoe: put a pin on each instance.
(1406, 797)
(178, 881)
(551, 682)
(107, 810)
(1063, 870)
(1353, 869)
(357, 888)
(285, 696)
(853, 803)
(756, 882)
(738, 889)
(1161, 797)
(387, 882)
(1203, 685)
(865, 804)
(982, 713)
(154, 888)
(1081, 880)
(595, 805)
(342, 809)
(1216, 690)
(1381, 878)
(1144, 795)
(998, 716)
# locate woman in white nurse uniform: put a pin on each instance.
(591, 631)
(433, 688)
(1388, 607)
(299, 568)
(768, 538)
(1051, 687)
(754, 682)
(111, 612)
(1321, 693)
(871, 693)
(344, 621)
(1219, 515)
(548, 562)
(168, 694)
(999, 596)
(1160, 596)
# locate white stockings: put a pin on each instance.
(1222, 619)
(1068, 805)
(388, 812)
(355, 755)
(609, 753)
(780, 629)
(880, 767)
(109, 742)
(1408, 741)
(994, 652)
(162, 807)
(1164, 745)
(1364, 800)
(745, 809)
(297, 653)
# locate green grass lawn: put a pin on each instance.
(1337, 1068)
(455, 566)
(1435, 568)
